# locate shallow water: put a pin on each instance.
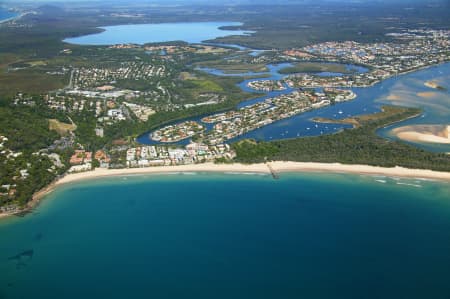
(5, 14)
(411, 92)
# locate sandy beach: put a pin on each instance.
(424, 133)
(422, 137)
(276, 167)
(427, 94)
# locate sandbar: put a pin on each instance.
(424, 133)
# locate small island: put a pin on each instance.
(434, 85)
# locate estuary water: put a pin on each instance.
(403, 90)
(232, 236)
(406, 90)
(190, 32)
(410, 91)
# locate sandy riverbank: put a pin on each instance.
(424, 133)
(422, 137)
(277, 167)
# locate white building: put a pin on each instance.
(81, 168)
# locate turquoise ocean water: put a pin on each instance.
(232, 236)
(5, 14)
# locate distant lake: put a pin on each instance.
(191, 32)
(5, 14)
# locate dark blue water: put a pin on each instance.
(232, 236)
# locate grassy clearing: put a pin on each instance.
(61, 128)
(30, 82)
(315, 67)
(358, 121)
(206, 86)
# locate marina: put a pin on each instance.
(369, 100)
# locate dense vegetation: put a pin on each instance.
(277, 26)
(352, 146)
(26, 129)
(290, 26)
(38, 177)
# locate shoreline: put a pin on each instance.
(269, 169)
(15, 18)
(417, 137)
(277, 167)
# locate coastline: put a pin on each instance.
(269, 169)
(273, 169)
(14, 18)
(278, 167)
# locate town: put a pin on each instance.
(231, 124)
(101, 98)
(93, 77)
(266, 85)
(415, 49)
(145, 156)
(174, 133)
